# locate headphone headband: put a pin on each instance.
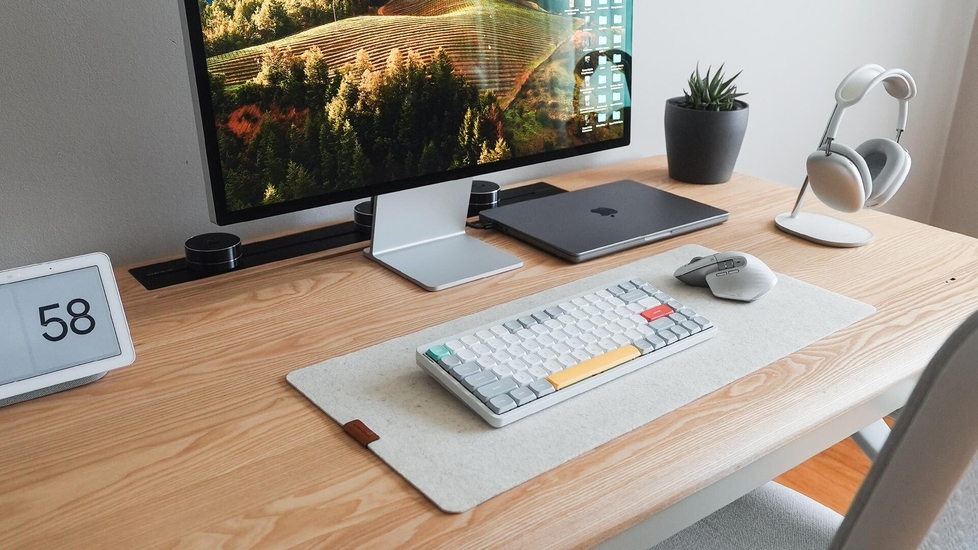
(897, 82)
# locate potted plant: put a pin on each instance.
(705, 129)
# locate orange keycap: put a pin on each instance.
(657, 312)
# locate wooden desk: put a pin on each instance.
(202, 443)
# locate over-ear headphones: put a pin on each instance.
(868, 176)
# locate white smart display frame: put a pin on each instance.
(66, 270)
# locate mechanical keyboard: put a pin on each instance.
(507, 370)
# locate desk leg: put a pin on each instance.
(704, 502)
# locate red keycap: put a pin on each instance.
(657, 312)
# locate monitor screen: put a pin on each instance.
(311, 102)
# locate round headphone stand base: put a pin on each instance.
(824, 230)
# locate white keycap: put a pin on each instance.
(567, 360)
(566, 320)
(510, 339)
(553, 367)
(604, 294)
(588, 338)
(538, 372)
(499, 330)
(503, 371)
(486, 362)
(553, 324)
(495, 344)
(638, 320)
(614, 328)
(484, 335)
(591, 310)
(608, 344)
(592, 298)
(516, 350)
(623, 312)
(455, 346)
(568, 307)
(469, 340)
(581, 355)
(633, 334)
(547, 353)
(518, 365)
(531, 345)
(560, 348)
(615, 302)
(586, 326)
(502, 356)
(532, 359)
(599, 320)
(539, 329)
(622, 340)
(572, 330)
(601, 333)
(482, 349)
(625, 323)
(649, 303)
(523, 378)
(559, 335)
(467, 355)
(605, 306)
(526, 334)
(645, 329)
(579, 314)
(635, 308)
(596, 350)
(545, 341)
(574, 343)
(579, 302)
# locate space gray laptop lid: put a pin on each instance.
(592, 222)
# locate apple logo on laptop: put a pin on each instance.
(602, 211)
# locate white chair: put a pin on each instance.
(921, 492)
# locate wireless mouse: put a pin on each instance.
(729, 275)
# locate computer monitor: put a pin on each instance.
(306, 103)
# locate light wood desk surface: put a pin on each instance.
(202, 443)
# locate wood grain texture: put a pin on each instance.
(202, 443)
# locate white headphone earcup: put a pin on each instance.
(889, 166)
(841, 180)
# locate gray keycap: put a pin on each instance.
(540, 316)
(703, 322)
(449, 362)
(680, 331)
(677, 318)
(615, 290)
(674, 304)
(692, 327)
(649, 289)
(643, 346)
(688, 312)
(499, 387)
(668, 335)
(481, 379)
(501, 403)
(662, 297)
(656, 341)
(661, 324)
(554, 312)
(627, 287)
(513, 326)
(541, 388)
(639, 283)
(522, 396)
(527, 321)
(465, 370)
(633, 296)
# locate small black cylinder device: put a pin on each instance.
(363, 217)
(485, 195)
(213, 252)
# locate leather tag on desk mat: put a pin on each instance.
(359, 431)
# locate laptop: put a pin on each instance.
(590, 223)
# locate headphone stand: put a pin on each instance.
(821, 229)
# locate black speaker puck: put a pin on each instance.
(485, 195)
(363, 216)
(213, 252)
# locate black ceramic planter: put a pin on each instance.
(703, 146)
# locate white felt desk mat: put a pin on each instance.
(458, 461)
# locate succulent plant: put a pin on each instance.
(711, 94)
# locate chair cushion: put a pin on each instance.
(771, 517)
(957, 526)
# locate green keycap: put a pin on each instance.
(437, 352)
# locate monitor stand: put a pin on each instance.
(420, 235)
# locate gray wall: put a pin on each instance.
(956, 207)
(98, 148)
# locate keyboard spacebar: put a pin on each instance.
(593, 367)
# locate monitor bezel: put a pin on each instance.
(214, 176)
